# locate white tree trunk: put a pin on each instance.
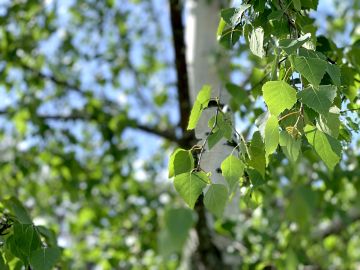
(202, 18)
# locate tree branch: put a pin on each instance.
(207, 254)
(180, 63)
(338, 225)
(166, 134)
(52, 78)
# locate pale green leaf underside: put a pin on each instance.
(232, 16)
(232, 169)
(328, 148)
(291, 45)
(313, 69)
(271, 135)
(278, 96)
(318, 99)
(201, 102)
(216, 198)
(257, 42)
(190, 186)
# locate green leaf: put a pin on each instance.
(45, 258)
(215, 199)
(171, 162)
(313, 69)
(291, 45)
(239, 94)
(297, 4)
(257, 154)
(24, 240)
(257, 42)
(220, 28)
(290, 146)
(201, 102)
(230, 36)
(310, 4)
(232, 169)
(3, 265)
(232, 16)
(222, 129)
(190, 186)
(328, 148)
(18, 210)
(183, 162)
(278, 96)
(255, 178)
(178, 222)
(214, 138)
(271, 135)
(334, 73)
(319, 99)
(329, 123)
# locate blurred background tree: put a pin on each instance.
(96, 95)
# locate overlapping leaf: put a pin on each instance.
(190, 186)
(290, 146)
(328, 148)
(257, 154)
(278, 96)
(232, 169)
(201, 102)
(291, 45)
(313, 69)
(319, 99)
(215, 199)
(257, 42)
(271, 135)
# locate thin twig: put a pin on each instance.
(350, 110)
(287, 115)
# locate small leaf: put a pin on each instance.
(232, 169)
(278, 96)
(220, 28)
(257, 154)
(334, 73)
(214, 138)
(329, 123)
(45, 258)
(297, 4)
(318, 99)
(291, 45)
(24, 240)
(215, 199)
(178, 222)
(232, 16)
(313, 69)
(255, 178)
(271, 135)
(190, 186)
(257, 42)
(201, 102)
(171, 162)
(183, 162)
(328, 148)
(18, 210)
(290, 146)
